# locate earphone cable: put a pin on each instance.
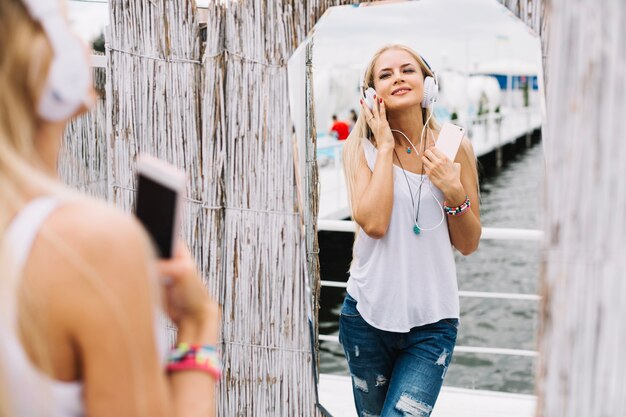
(439, 203)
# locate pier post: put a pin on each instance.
(582, 362)
(499, 158)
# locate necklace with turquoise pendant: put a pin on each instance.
(416, 229)
(409, 149)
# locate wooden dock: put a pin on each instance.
(336, 396)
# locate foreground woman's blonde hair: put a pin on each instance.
(353, 146)
(25, 58)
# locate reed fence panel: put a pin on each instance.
(84, 154)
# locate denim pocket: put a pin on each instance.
(348, 309)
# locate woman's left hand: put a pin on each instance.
(442, 172)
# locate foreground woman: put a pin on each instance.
(78, 280)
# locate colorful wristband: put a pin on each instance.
(457, 211)
(186, 357)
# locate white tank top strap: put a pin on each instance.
(24, 228)
(19, 238)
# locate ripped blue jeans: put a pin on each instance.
(395, 374)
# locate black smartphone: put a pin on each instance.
(160, 189)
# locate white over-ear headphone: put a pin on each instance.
(431, 90)
(68, 85)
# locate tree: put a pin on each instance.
(98, 43)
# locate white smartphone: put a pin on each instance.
(449, 139)
(160, 190)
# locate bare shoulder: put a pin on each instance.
(92, 263)
(91, 238)
(89, 226)
(92, 241)
(91, 256)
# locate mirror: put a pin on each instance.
(84, 148)
(488, 65)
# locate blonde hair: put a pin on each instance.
(352, 149)
(24, 63)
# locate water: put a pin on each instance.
(510, 198)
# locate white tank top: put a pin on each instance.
(33, 393)
(404, 280)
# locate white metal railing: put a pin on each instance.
(323, 159)
(488, 233)
(338, 144)
(464, 349)
(467, 294)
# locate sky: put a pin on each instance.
(457, 35)
(88, 17)
(461, 36)
(450, 34)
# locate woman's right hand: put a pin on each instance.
(187, 301)
(377, 121)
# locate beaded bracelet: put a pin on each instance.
(457, 211)
(185, 357)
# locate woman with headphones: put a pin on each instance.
(413, 205)
(78, 280)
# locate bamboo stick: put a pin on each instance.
(83, 156)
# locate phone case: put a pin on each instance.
(450, 139)
(160, 190)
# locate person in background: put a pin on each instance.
(339, 129)
(79, 281)
(353, 118)
(414, 206)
